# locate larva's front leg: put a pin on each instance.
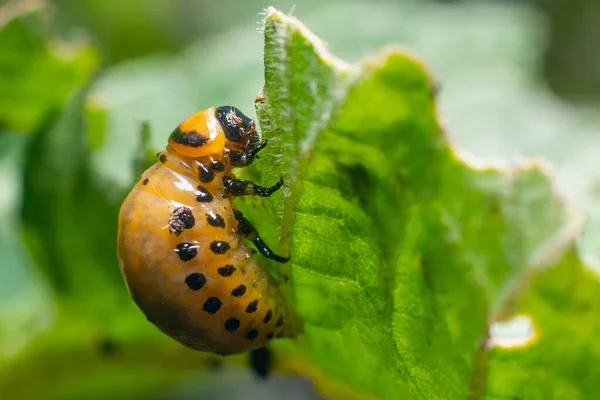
(248, 230)
(239, 187)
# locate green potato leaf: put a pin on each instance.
(404, 253)
(563, 361)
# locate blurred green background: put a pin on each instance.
(517, 78)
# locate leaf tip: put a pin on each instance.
(282, 27)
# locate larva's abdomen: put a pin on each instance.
(189, 270)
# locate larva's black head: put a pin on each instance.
(238, 128)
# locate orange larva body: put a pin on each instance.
(183, 253)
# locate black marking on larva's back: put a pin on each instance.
(189, 138)
(234, 123)
(195, 281)
(217, 165)
(279, 321)
(252, 307)
(212, 305)
(219, 247)
(145, 182)
(232, 324)
(215, 220)
(203, 195)
(226, 270)
(239, 291)
(181, 218)
(205, 174)
(162, 158)
(268, 316)
(186, 251)
(270, 335)
(252, 334)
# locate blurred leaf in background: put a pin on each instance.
(133, 28)
(37, 74)
(37, 71)
(139, 28)
(571, 62)
(26, 307)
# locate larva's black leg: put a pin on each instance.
(254, 152)
(244, 158)
(238, 187)
(260, 362)
(248, 230)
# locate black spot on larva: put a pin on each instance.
(252, 334)
(217, 165)
(238, 291)
(162, 158)
(195, 281)
(268, 317)
(212, 305)
(219, 247)
(232, 324)
(252, 307)
(187, 218)
(279, 322)
(205, 174)
(181, 218)
(260, 362)
(215, 220)
(226, 270)
(186, 251)
(190, 138)
(145, 182)
(270, 335)
(203, 195)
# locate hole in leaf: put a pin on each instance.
(516, 332)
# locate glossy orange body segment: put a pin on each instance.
(205, 125)
(208, 297)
